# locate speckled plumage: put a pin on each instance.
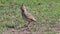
(27, 16)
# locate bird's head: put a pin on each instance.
(23, 8)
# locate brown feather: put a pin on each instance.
(27, 16)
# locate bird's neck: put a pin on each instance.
(25, 11)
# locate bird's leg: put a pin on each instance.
(27, 25)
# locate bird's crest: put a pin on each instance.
(23, 8)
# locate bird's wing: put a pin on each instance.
(29, 16)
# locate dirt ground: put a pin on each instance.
(20, 31)
(27, 31)
(24, 30)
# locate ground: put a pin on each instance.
(46, 12)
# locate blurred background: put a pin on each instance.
(46, 12)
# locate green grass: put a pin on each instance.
(46, 12)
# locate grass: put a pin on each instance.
(46, 12)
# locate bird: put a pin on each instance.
(26, 15)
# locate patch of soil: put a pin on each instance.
(20, 31)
